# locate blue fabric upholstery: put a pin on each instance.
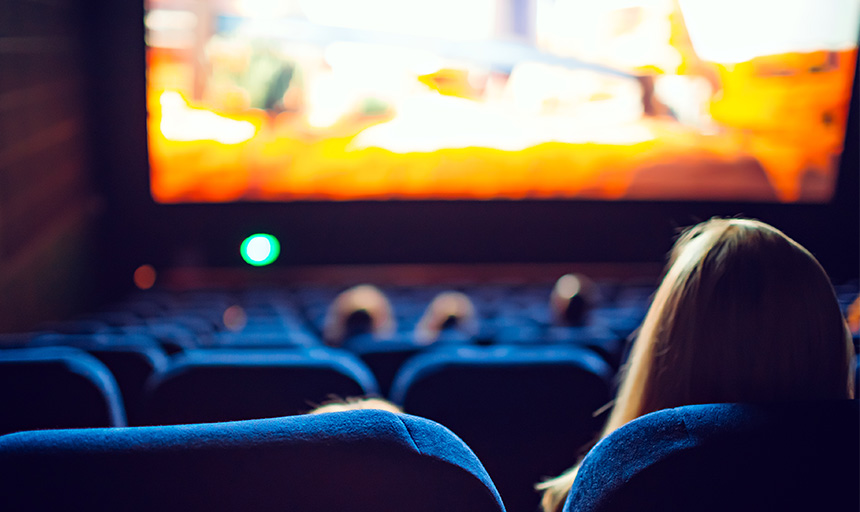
(231, 384)
(719, 457)
(263, 339)
(56, 387)
(355, 460)
(131, 358)
(599, 339)
(525, 411)
(173, 338)
(384, 357)
(87, 341)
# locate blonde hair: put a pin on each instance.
(744, 314)
(443, 308)
(367, 298)
(355, 403)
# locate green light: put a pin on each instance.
(260, 249)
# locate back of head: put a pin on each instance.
(447, 311)
(744, 313)
(362, 309)
(571, 299)
(356, 404)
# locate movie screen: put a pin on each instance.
(317, 100)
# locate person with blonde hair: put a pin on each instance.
(361, 309)
(743, 314)
(365, 310)
(355, 403)
(447, 310)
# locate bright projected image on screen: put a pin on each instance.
(285, 100)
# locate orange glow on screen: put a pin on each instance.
(626, 106)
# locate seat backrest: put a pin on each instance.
(205, 385)
(525, 411)
(56, 387)
(354, 460)
(718, 457)
(131, 358)
(384, 357)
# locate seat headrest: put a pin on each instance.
(717, 457)
(57, 387)
(354, 460)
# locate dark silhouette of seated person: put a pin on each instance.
(571, 300)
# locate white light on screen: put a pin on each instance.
(732, 31)
(179, 122)
(448, 19)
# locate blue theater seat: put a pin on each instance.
(526, 411)
(173, 338)
(599, 339)
(719, 457)
(239, 384)
(355, 460)
(56, 387)
(384, 357)
(131, 358)
(263, 339)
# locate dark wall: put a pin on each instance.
(47, 205)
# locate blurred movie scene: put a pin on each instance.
(283, 100)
